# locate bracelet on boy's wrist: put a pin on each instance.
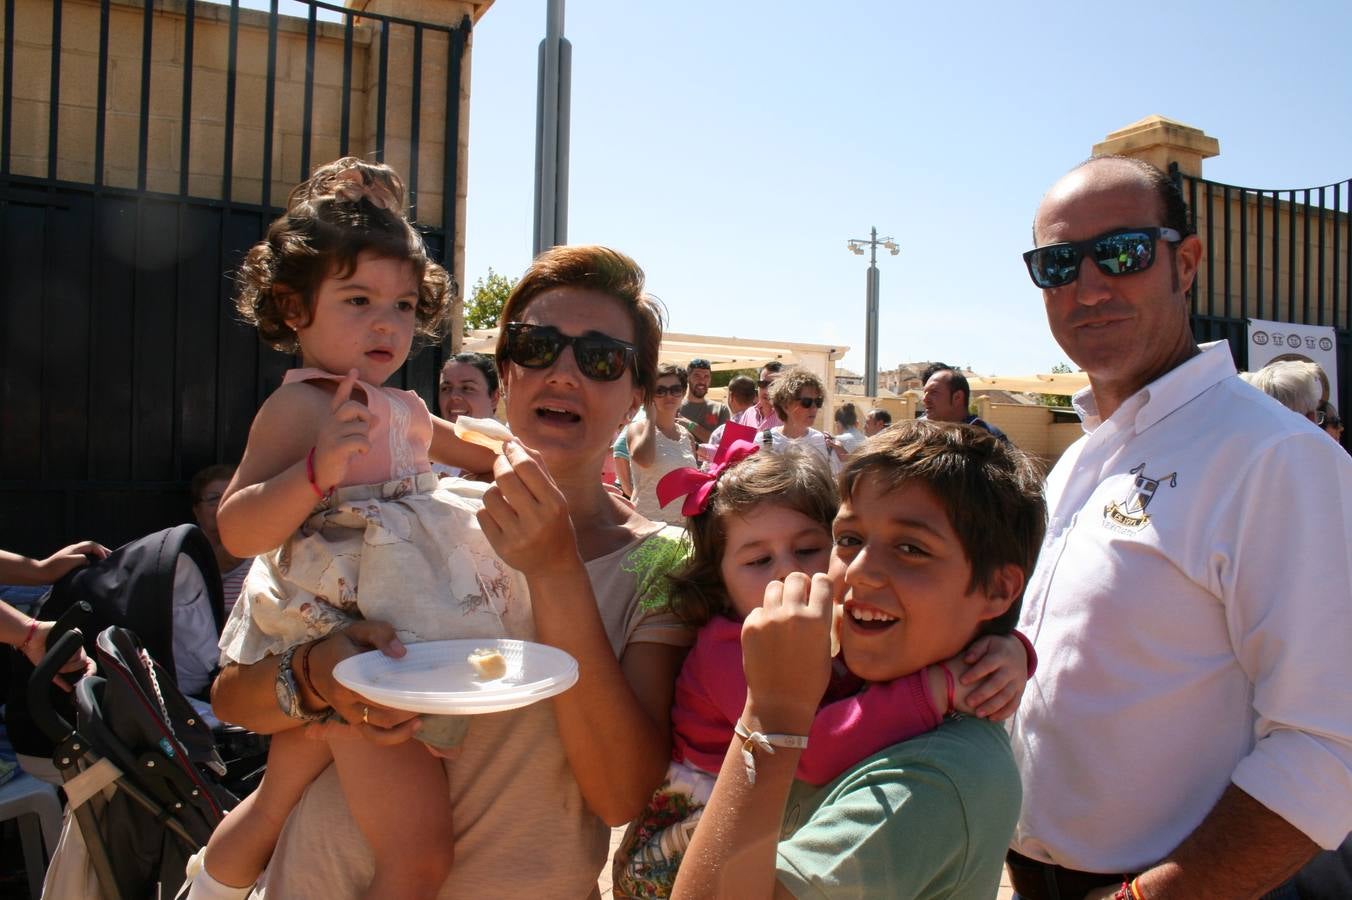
(755, 740)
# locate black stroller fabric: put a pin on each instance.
(133, 588)
(135, 716)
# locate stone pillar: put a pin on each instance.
(1161, 141)
(431, 117)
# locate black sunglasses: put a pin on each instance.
(1125, 251)
(764, 383)
(600, 357)
(668, 390)
(809, 402)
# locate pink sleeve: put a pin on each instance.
(856, 727)
(709, 697)
(726, 689)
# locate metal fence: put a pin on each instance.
(124, 369)
(1283, 255)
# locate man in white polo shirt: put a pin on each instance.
(1188, 732)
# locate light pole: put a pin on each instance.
(552, 104)
(871, 304)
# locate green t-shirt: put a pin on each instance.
(929, 817)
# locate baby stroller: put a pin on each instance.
(166, 589)
(154, 609)
(137, 767)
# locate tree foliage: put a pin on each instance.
(1058, 399)
(487, 299)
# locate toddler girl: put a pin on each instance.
(756, 518)
(336, 497)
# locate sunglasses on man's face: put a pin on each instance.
(600, 357)
(1125, 251)
(809, 402)
(668, 390)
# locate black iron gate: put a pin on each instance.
(124, 369)
(1281, 255)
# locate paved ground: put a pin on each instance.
(1006, 893)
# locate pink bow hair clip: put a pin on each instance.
(738, 442)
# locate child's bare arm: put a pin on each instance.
(991, 674)
(271, 493)
(451, 451)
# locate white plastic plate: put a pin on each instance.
(436, 677)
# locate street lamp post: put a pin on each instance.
(552, 124)
(857, 246)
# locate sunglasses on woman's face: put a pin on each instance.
(1125, 251)
(668, 390)
(809, 402)
(599, 356)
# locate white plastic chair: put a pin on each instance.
(23, 798)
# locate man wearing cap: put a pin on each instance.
(697, 414)
(1188, 732)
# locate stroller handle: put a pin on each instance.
(63, 642)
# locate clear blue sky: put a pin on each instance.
(733, 148)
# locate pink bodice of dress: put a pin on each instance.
(400, 435)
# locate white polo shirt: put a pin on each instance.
(1192, 616)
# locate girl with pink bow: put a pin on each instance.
(755, 518)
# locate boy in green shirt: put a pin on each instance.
(938, 530)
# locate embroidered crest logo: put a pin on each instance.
(1131, 513)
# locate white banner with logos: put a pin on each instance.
(1270, 341)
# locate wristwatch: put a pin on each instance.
(288, 698)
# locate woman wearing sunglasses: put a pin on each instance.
(658, 444)
(797, 398)
(533, 790)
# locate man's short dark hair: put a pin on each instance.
(978, 480)
(773, 365)
(956, 382)
(880, 414)
(743, 389)
(484, 363)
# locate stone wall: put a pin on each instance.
(78, 98)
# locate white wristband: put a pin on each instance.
(753, 740)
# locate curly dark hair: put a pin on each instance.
(792, 479)
(329, 221)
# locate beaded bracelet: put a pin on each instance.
(1128, 891)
